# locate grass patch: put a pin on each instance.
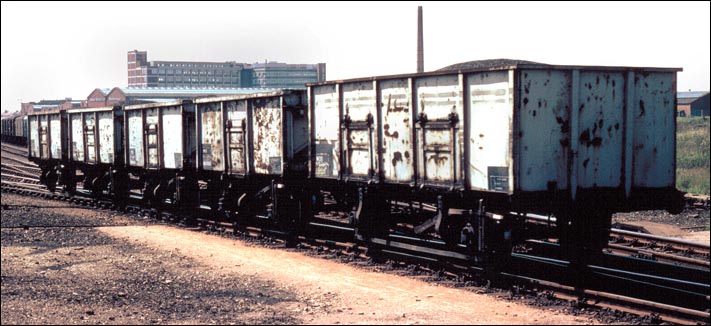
(692, 155)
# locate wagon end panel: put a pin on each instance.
(654, 130)
(397, 151)
(491, 97)
(598, 131)
(267, 135)
(325, 126)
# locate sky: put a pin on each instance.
(55, 50)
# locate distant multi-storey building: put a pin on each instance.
(191, 74)
(284, 75)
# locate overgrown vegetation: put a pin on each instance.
(692, 155)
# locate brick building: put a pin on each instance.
(101, 97)
(50, 105)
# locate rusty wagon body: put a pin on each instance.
(578, 142)
(462, 156)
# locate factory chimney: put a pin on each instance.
(420, 50)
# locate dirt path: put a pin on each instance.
(338, 293)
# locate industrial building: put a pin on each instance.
(692, 104)
(194, 74)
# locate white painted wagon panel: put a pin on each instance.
(491, 123)
(135, 138)
(172, 124)
(77, 138)
(55, 135)
(396, 131)
(326, 127)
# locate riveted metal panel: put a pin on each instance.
(544, 134)
(33, 123)
(267, 135)
(586, 110)
(491, 123)
(326, 125)
(172, 131)
(654, 130)
(237, 119)
(135, 138)
(600, 129)
(396, 132)
(360, 113)
(77, 137)
(211, 125)
(439, 107)
(55, 132)
(106, 137)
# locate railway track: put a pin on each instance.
(650, 247)
(599, 284)
(15, 155)
(13, 149)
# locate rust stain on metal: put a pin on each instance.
(397, 157)
(267, 137)
(212, 148)
(396, 131)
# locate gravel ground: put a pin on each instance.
(689, 218)
(78, 275)
(692, 224)
(63, 264)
